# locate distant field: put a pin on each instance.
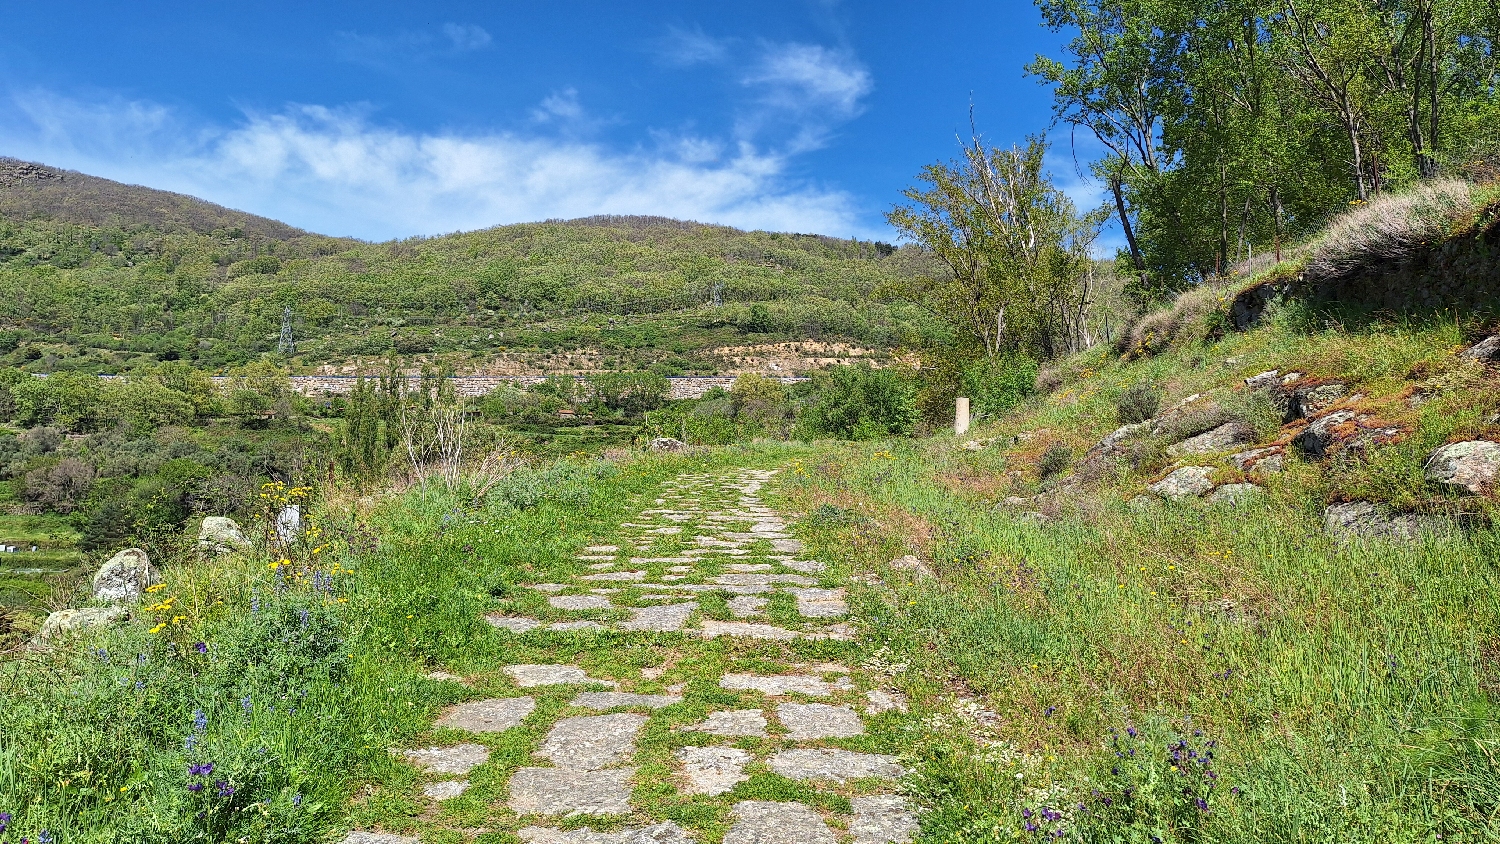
(24, 575)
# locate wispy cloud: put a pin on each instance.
(448, 39)
(687, 47)
(336, 170)
(804, 91)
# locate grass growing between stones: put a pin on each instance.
(1093, 670)
(291, 682)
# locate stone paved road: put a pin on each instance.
(707, 546)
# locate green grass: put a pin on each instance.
(1348, 690)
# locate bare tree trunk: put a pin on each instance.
(1135, 250)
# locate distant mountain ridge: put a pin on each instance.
(29, 190)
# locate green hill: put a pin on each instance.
(97, 276)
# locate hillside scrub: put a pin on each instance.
(1121, 666)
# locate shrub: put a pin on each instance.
(996, 385)
(1055, 460)
(630, 392)
(758, 400)
(861, 403)
(1138, 404)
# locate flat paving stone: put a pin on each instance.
(565, 626)
(562, 791)
(820, 603)
(444, 676)
(832, 764)
(662, 618)
(446, 790)
(458, 759)
(548, 587)
(745, 606)
(805, 566)
(733, 722)
(747, 568)
(790, 546)
(488, 716)
(712, 770)
(513, 623)
(590, 742)
(807, 721)
(358, 837)
(614, 575)
(616, 700)
(579, 602)
(882, 819)
(764, 822)
(713, 629)
(528, 676)
(602, 549)
(662, 833)
(764, 579)
(777, 684)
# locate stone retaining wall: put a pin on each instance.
(686, 387)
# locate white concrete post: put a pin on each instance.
(960, 416)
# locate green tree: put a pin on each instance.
(861, 402)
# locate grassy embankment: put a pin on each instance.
(306, 672)
(1344, 692)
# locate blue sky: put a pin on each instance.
(382, 120)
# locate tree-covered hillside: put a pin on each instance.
(125, 288)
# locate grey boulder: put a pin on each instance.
(1470, 466)
(1362, 520)
(1486, 349)
(63, 622)
(221, 535)
(123, 580)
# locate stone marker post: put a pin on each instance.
(960, 416)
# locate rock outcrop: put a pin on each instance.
(1234, 494)
(221, 535)
(1185, 482)
(1487, 349)
(1261, 461)
(123, 580)
(1225, 436)
(1470, 466)
(668, 444)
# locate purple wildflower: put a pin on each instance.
(201, 647)
(200, 721)
(1050, 710)
(1201, 804)
(4, 821)
(201, 770)
(225, 789)
(296, 799)
(246, 705)
(44, 837)
(1130, 731)
(195, 787)
(1030, 827)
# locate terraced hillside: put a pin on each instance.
(103, 277)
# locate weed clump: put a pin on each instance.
(1055, 460)
(1138, 404)
(1390, 227)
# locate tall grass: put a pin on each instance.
(1391, 227)
(1112, 655)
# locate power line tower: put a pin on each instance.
(716, 293)
(286, 346)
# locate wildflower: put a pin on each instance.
(200, 720)
(195, 787)
(296, 799)
(1130, 731)
(246, 704)
(1050, 710)
(201, 770)
(4, 821)
(201, 647)
(225, 789)
(44, 837)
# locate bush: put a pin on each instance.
(861, 403)
(758, 400)
(996, 385)
(1055, 460)
(1138, 404)
(630, 392)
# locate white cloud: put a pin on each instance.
(810, 76)
(336, 171)
(560, 106)
(690, 47)
(466, 36)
